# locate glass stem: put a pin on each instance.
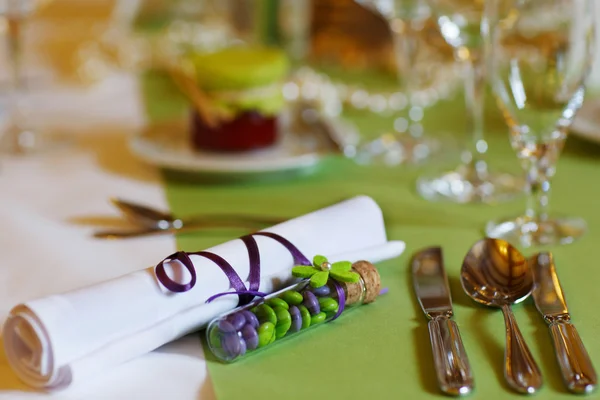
(475, 97)
(538, 191)
(14, 34)
(406, 42)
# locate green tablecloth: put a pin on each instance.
(382, 350)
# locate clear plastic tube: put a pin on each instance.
(286, 313)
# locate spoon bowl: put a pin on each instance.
(494, 273)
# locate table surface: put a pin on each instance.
(382, 350)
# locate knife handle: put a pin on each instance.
(451, 363)
(575, 364)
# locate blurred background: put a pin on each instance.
(66, 58)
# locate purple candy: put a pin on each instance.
(311, 302)
(226, 327)
(230, 343)
(237, 320)
(242, 347)
(296, 319)
(250, 318)
(250, 336)
(321, 291)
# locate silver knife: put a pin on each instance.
(575, 364)
(431, 287)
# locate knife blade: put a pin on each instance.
(575, 364)
(430, 282)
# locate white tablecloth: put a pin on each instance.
(49, 205)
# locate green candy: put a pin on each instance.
(277, 302)
(328, 304)
(265, 313)
(284, 321)
(292, 297)
(305, 316)
(318, 318)
(266, 334)
(274, 338)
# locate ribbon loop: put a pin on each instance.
(254, 260)
(299, 258)
(246, 294)
(170, 284)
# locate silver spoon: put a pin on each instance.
(496, 274)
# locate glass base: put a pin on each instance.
(466, 185)
(27, 141)
(393, 150)
(527, 232)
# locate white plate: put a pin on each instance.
(167, 145)
(587, 121)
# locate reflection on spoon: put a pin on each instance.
(497, 275)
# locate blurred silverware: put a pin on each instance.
(496, 274)
(575, 364)
(433, 292)
(151, 221)
(141, 232)
(321, 126)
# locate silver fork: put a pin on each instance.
(151, 221)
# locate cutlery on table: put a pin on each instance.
(431, 287)
(150, 221)
(575, 364)
(496, 274)
(320, 127)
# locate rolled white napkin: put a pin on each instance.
(52, 341)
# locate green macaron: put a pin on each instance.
(239, 68)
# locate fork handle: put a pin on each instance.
(450, 358)
(575, 364)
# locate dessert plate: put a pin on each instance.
(167, 145)
(587, 122)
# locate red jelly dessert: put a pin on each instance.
(242, 85)
(249, 130)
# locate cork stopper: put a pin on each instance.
(356, 292)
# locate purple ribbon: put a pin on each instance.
(240, 293)
(299, 258)
(167, 282)
(234, 279)
(341, 299)
(245, 294)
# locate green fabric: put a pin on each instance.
(382, 350)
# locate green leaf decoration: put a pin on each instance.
(318, 260)
(319, 279)
(342, 276)
(303, 271)
(341, 266)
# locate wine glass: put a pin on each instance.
(540, 55)
(407, 20)
(472, 181)
(18, 137)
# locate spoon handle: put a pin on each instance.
(450, 358)
(575, 364)
(520, 369)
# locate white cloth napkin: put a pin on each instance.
(52, 341)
